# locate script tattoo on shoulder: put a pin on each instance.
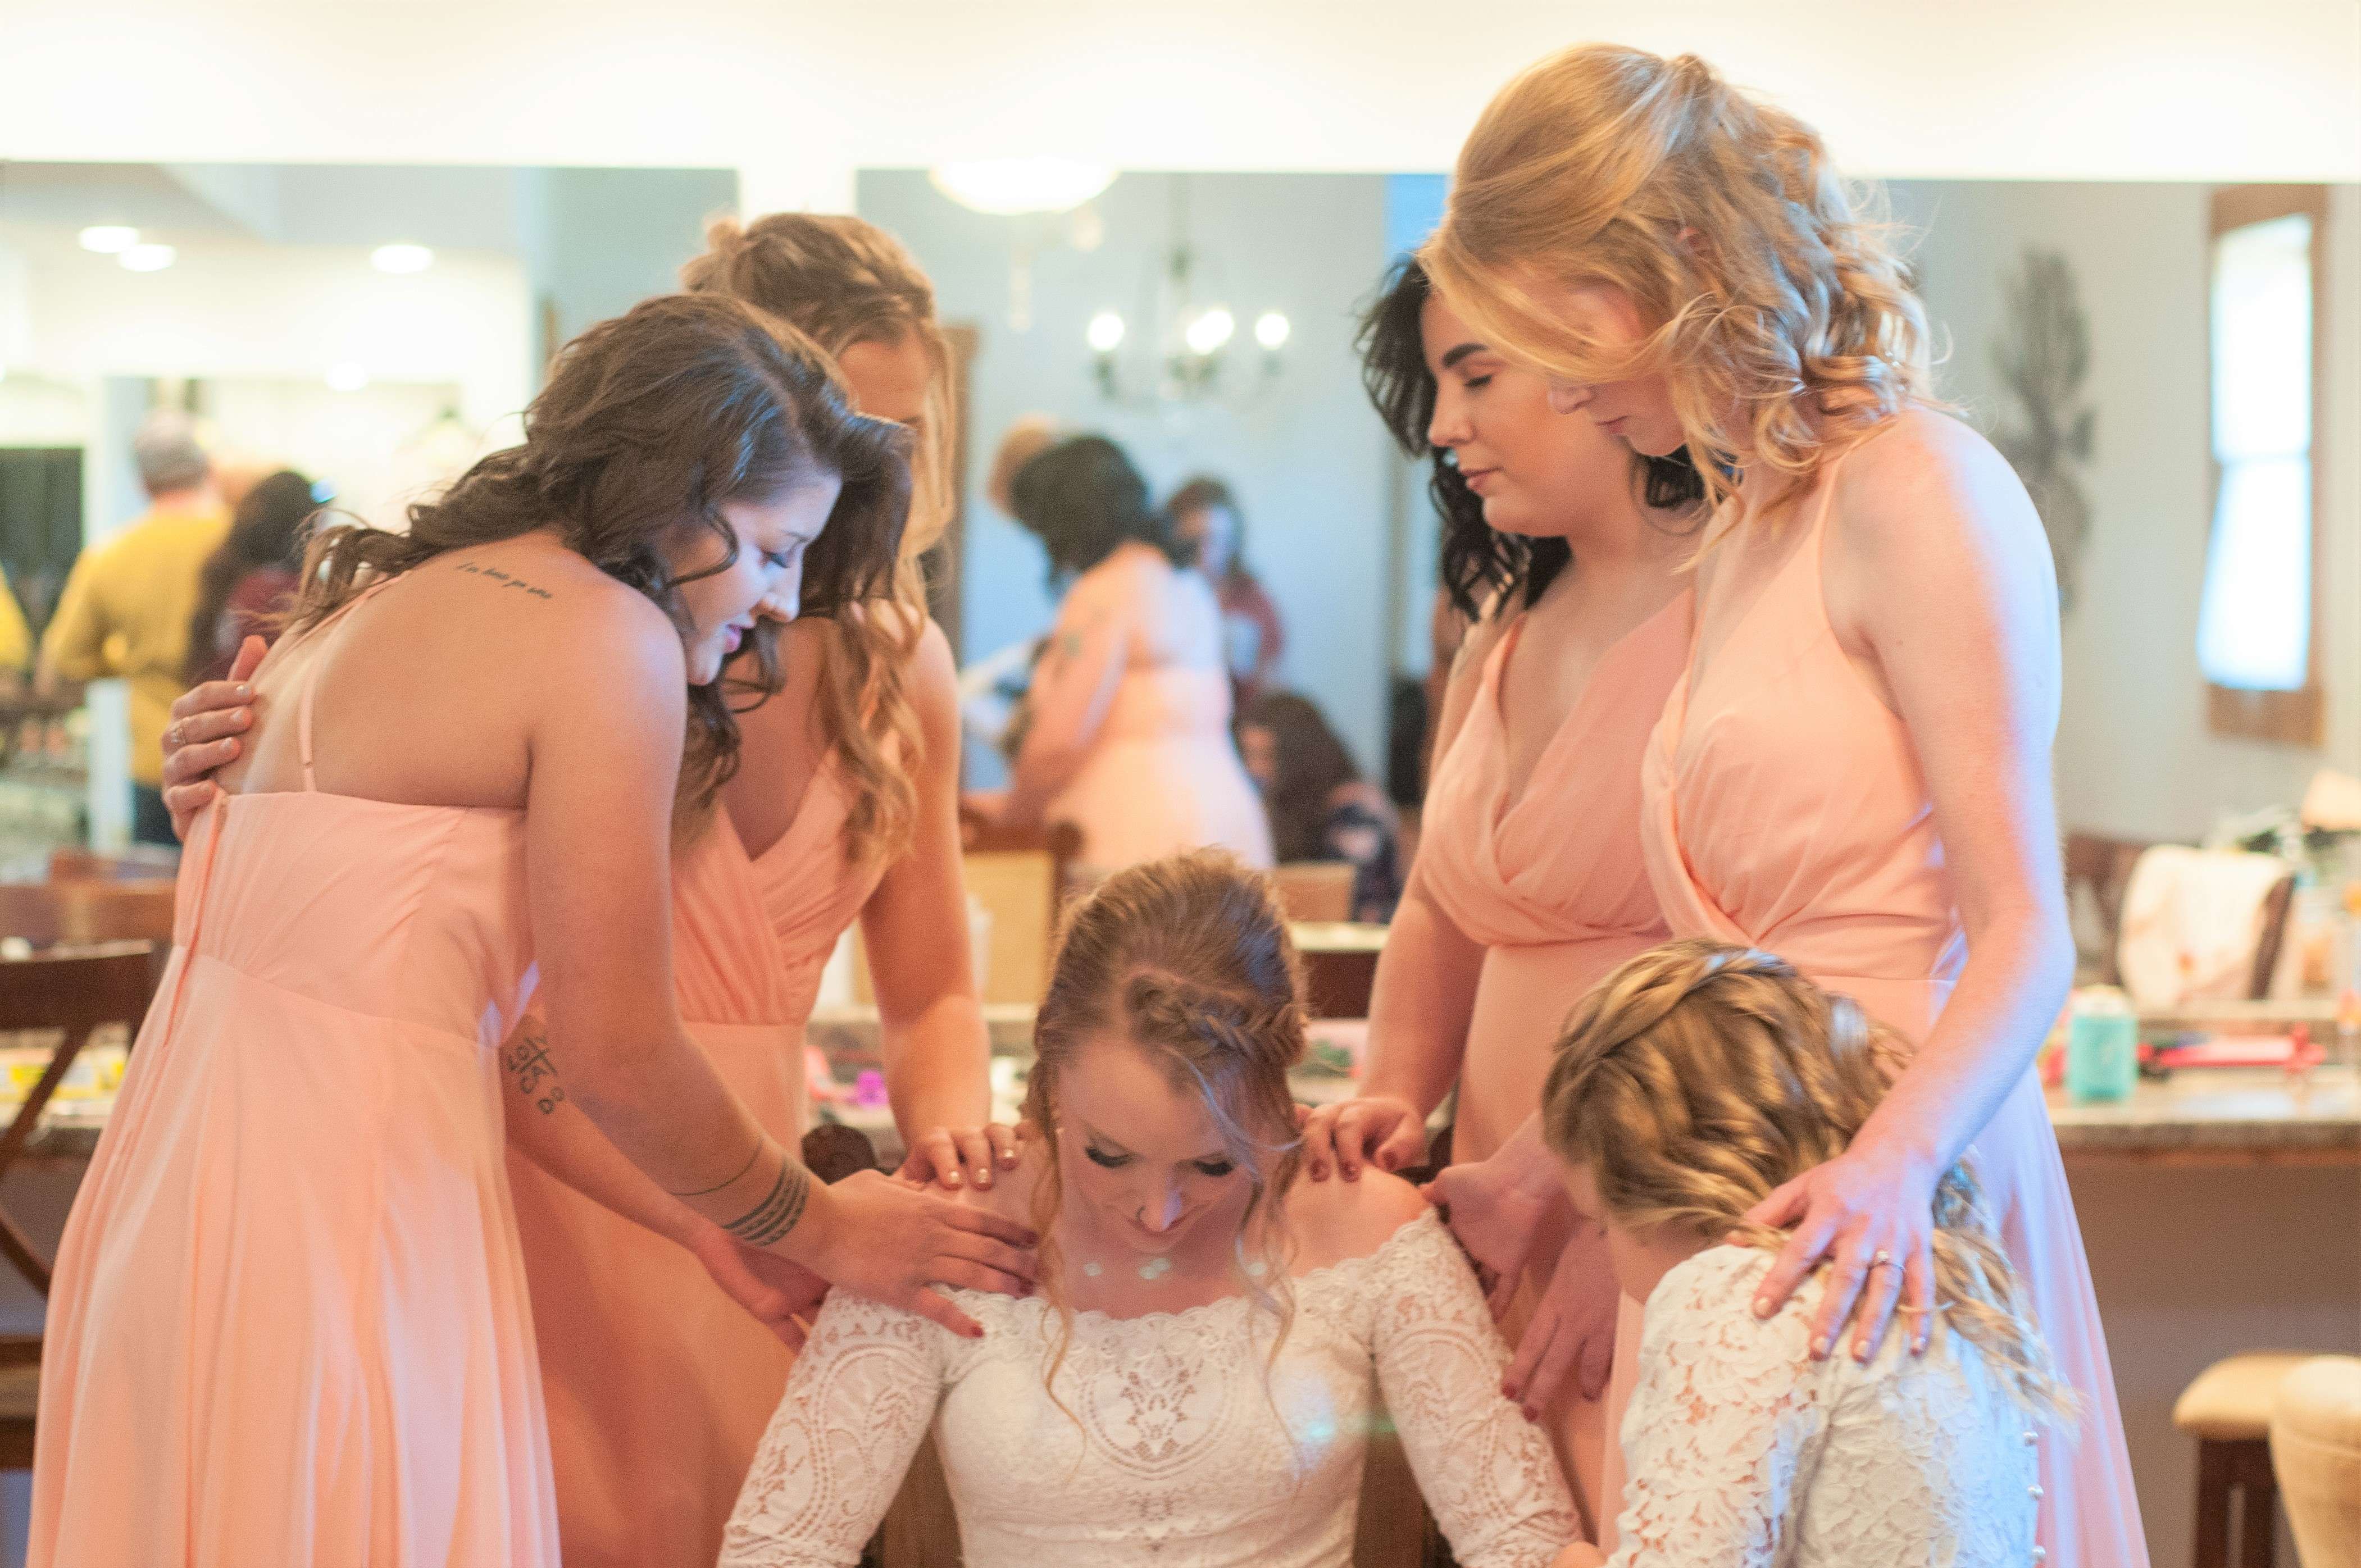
(526, 1059)
(505, 581)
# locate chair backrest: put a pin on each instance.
(1315, 890)
(2097, 868)
(73, 993)
(1023, 878)
(138, 863)
(87, 910)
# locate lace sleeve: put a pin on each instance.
(1489, 1474)
(859, 1403)
(1725, 1423)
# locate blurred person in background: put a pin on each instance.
(1205, 518)
(1321, 808)
(126, 606)
(248, 583)
(1127, 726)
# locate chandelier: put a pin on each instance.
(1182, 345)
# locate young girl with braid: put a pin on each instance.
(1693, 1081)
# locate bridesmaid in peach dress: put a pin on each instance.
(1529, 885)
(297, 1229)
(1854, 769)
(1127, 722)
(658, 1386)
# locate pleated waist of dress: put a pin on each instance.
(1157, 704)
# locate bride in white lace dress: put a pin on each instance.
(1695, 1079)
(1196, 1385)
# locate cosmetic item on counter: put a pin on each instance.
(2102, 1046)
(869, 1092)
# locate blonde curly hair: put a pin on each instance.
(844, 281)
(1698, 1077)
(1776, 303)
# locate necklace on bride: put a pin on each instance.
(1156, 1267)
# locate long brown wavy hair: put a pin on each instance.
(1189, 958)
(1698, 1077)
(648, 424)
(844, 281)
(1778, 305)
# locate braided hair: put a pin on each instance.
(1188, 958)
(1698, 1077)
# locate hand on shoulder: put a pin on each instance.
(1334, 1221)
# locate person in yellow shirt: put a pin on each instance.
(126, 605)
(15, 639)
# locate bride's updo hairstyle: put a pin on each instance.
(1188, 958)
(648, 424)
(1774, 301)
(843, 281)
(1698, 1077)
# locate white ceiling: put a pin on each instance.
(796, 95)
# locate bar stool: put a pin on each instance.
(2228, 1409)
(2316, 1449)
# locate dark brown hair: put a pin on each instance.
(1481, 566)
(649, 422)
(1083, 500)
(266, 531)
(1313, 766)
(1202, 494)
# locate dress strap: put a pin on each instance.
(311, 676)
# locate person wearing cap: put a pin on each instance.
(127, 603)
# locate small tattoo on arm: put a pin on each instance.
(779, 1210)
(502, 579)
(536, 1076)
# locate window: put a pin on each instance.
(2257, 624)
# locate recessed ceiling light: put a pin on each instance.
(109, 239)
(347, 377)
(402, 258)
(148, 257)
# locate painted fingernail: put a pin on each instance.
(1820, 1347)
(983, 1178)
(244, 692)
(1009, 1159)
(1763, 1306)
(1859, 1350)
(950, 1178)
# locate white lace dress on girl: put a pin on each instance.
(1179, 1450)
(1744, 1452)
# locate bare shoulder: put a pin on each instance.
(1336, 1220)
(1012, 1192)
(1928, 478)
(934, 672)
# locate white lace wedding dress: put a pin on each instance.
(1744, 1452)
(1179, 1450)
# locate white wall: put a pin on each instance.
(1307, 460)
(2134, 755)
(798, 95)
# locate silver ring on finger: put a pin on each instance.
(178, 736)
(1884, 1260)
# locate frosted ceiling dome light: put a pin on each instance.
(400, 258)
(1271, 330)
(1008, 186)
(1106, 332)
(148, 257)
(109, 239)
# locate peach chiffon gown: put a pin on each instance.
(289, 1322)
(1551, 882)
(1135, 688)
(659, 1386)
(1785, 808)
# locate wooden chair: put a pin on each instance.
(86, 911)
(2228, 1409)
(138, 863)
(2099, 869)
(73, 993)
(1314, 890)
(1023, 877)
